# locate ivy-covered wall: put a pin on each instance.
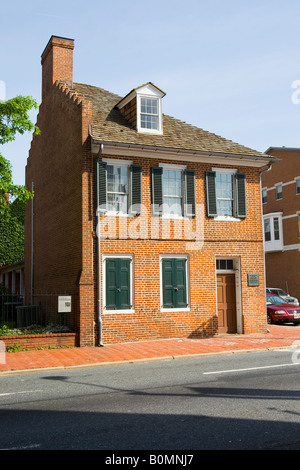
(12, 234)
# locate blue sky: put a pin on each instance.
(226, 66)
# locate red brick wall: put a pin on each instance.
(282, 268)
(55, 164)
(241, 239)
(41, 341)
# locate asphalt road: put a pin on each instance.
(236, 401)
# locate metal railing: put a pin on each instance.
(16, 312)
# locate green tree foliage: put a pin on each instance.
(14, 119)
(12, 233)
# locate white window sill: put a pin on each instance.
(227, 218)
(175, 309)
(114, 312)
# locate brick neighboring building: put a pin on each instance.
(281, 214)
(154, 225)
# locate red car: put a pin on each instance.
(280, 311)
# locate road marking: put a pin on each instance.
(33, 446)
(248, 368)
(16, 393)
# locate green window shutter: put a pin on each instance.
(168, 283)
(241, 204)
(136, 189)
(118, 283)
(211, 194)
(190, 194)
(123, 290)
(157, 196)
(101, 185)
(174, 283)
(111, 283)
(180, 294)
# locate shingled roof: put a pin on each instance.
(110, 125)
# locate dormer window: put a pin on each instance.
(149, 113)
(142, 107)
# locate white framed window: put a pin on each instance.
(264, 196)
(273, 234)
(119, 187)
(149, 113)
(226, 194)
(298, 186)
(173, 191)
(278, 188)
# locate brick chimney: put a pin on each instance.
(57, 62)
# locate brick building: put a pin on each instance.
(281, 214)
(152, 224)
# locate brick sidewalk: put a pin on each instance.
(278, 337)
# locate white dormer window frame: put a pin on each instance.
(138, 110)
(147, 112)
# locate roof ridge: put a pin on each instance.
(98, 87)
(69, 91)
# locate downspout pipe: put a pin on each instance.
(32, 248)
(262, 222)
(99, 263)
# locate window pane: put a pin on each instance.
(224, 207)
(224, 194)
(279, 192)
(276, 228)
(172, 206)
(117, 202)
(149, 113)
(149, 122)
(117, 188)
(172, 192)
(264, 196)
(267, 230)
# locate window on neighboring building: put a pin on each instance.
(273, 235)
(119, 187)
(279, 191)
(276, 228)
(118, 283)
(298, 186)
(267, 227)
(174, 283)
(226, 194)
(264, 196)
(173, 191)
